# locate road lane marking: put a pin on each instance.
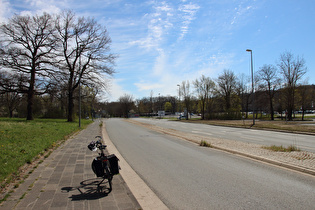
(200, 132)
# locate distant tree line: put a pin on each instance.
(45, 59)
(278, 89)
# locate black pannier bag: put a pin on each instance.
(98, 168)
(113, 162)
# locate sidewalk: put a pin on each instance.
(65, 180)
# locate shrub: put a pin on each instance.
(204, 143)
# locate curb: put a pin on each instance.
(143, 194)
(273, 162)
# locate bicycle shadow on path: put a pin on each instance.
(89, 189)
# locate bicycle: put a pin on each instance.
(104, 166)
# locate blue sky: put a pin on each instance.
(161, 43)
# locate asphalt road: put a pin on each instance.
(262, 137)
(186, 176)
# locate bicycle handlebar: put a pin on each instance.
(98, 144)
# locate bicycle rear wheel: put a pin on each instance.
(108, 176)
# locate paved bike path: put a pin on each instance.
(65, 180)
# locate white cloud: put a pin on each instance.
(159, 70)
(189, 11)
(115, 90)
(162, 20)
(31, 7)
(158, 22)
(163, 7)
(239, 12)
(5, 10)
(142, 86)
(160, 64)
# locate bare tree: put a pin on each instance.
(11, 100)
(126, 103)
(185, 92)
(204, 87)
(27, 43)
(304, 93)
(84, 57)
(269, 76)
(244, 92)
(292, 69)
(151, 103)
(227, 82)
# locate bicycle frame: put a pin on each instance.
(101, 165)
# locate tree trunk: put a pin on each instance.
(70, 105)
(228, 102)
(290, 104)
(271, 109)
(290, 118)
(203, 101)
(30, 96)
(11, 113)
(70, 97)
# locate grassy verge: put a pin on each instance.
(281, 148)
(23, 141)
(281, 125)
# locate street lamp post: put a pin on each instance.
(179, 98)
(80, 104)
(253, 92)
(159, 107)
(79, 86)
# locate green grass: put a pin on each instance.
(275, 148)
(22, 141)
(204, 143)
